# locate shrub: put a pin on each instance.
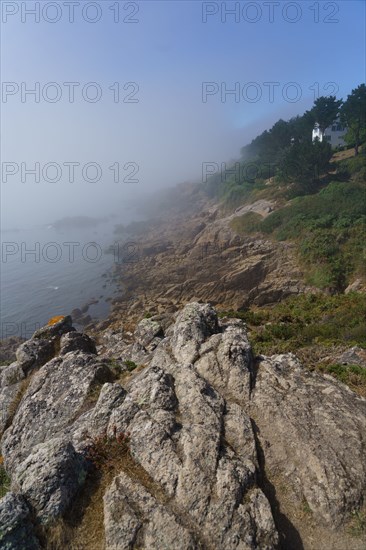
(304, 162)
(329, 228)
(234, 194)
(104, 450)
(131, 365)
(352, 375)
(246, 315)
(307, 320)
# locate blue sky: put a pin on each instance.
(169, 53)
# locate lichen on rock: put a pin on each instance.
(206, 426)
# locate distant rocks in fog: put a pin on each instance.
(76, 222)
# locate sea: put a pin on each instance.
(48, 271)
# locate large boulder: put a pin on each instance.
(193, 444)
(11, 378)
(57, 394)
(11, 375)
(55, 328)
(34, 353)
(194, 324)
(77, 342)
(50, 477)
(148, 331)
(16, 529)
(126, 504)
(209, 432)
(8, 347)
(314, 431)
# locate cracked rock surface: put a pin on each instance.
(318, 429)
(204, 422)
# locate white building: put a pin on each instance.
(333, 134)
(317, 133)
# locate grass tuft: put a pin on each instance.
(4, 479)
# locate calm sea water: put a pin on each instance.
(66, 269)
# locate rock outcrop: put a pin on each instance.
(184, 441)
(15, 524)
(8, 347)
(317, 429)
(200, 256)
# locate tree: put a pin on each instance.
(301, 127)
(268, 146)
(304, 163)
(325, 111)
(353, 115)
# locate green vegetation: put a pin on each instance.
(307, 319)
(353, 169)
(247, 223)
(304, 163)
(313, 326)
(324, 111)
(234, 193)
(4, 480)
(321, 205)
(329, 228)
(352, 375)
(130, 365)
(287, 151)
(357, 525)
(305, 506)
(353, 115)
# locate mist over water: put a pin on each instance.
(45, 277)
(101, 113)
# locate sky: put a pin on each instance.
(155, 89)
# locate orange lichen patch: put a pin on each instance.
(1, 460)
(55, 320)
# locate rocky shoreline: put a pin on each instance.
(175, 436)
(158, 427)
(199, 256)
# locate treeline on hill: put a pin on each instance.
(322, 203)
(287, 152)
